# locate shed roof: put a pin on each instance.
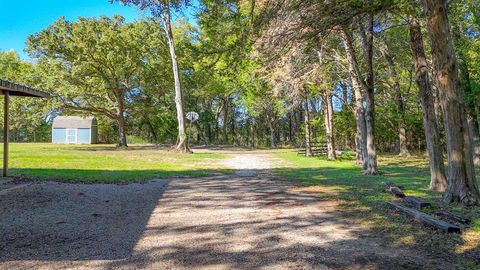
(15, 89)
(73, 122)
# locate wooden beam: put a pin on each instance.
(417, 203)
(453, 216)
(6, 95)
(16, 89)
(425, 218)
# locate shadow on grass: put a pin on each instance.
(362, 196)
(107, 176)
(152, 147)
(164, 147)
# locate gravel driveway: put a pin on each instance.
(247, 220)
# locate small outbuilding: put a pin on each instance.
(74, 130)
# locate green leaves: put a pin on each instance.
(27, 115)
(94, 64)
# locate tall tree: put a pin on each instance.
(306, 121)
(462, 183)
(366, 33)
(402, 133)
(358, 86)
(93, 64)
(163, 10)
(465, 25)
(328, 115)
(438, 180)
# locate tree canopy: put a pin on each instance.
(368, 77)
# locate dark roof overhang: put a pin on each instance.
(15, 89)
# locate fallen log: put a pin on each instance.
(395, 190)
(425, 218)
(416, 202)
(453, 216)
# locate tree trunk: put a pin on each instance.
(402, 133)
(438, 181)
(208, 138)
(120, 118)
(298, 119)
(370, 166)
(272, 132)
(345, 102)
(151, 129)
(462, 183)
(290, 137)
(308, 147)
(328, 113)
(182, 142)
(122, 137)
(472, 116)
(314, 112)
(225, 121)
(252, 132)
(217, 128)
(465, 81)
(358, 88)
(436, 103)
(474, 138)
(402, 136)
(232, 123)
(361, 128)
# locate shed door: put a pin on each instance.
(71, 135)
(83, 135)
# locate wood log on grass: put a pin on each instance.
(425, 218)
(416, 202)
(453, 216)
(395, 190)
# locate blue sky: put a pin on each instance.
(22, 18)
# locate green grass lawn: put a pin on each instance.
(362, 196)
(105, 163)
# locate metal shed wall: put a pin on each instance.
(59, 135)
(74, 130)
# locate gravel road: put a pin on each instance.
(247, 220)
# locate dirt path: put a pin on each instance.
(246, 164)
(242, 221)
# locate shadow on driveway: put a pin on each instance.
(220, 222)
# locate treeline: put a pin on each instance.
(309, 49)
(363, 76)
